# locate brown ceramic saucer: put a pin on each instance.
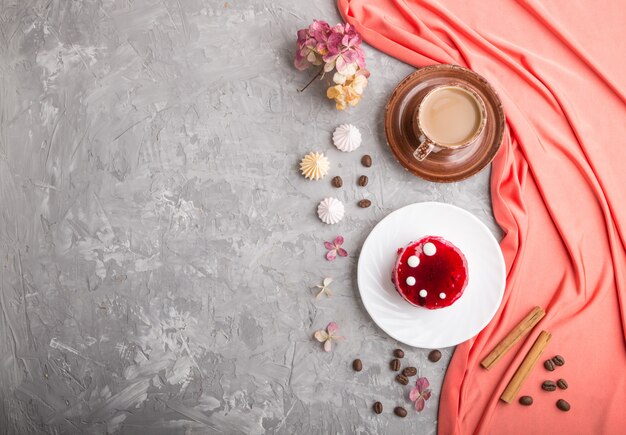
(443, 166)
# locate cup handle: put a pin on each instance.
(423, 150)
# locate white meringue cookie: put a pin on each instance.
(314, 166)
(347, 138)
(330, 210)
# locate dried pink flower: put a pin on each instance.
(344, 49)
(327, 336)
(334, 48)
(335, 249)
(420, 393)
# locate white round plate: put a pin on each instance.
(417, 326)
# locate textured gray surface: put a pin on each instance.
(158, 245)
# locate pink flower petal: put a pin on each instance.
(414, 394)
(350, 56)
(426, 394)
(302, 35)
(328, 345)
(319, 30)
(332, 328)
(342, 252)
(341, 64)
(360, 61)
(339, 28)
(334, 44)
(422, 384)
(331, 255)
(329, 245)
(338, 241)
(301, 63)
(320, 335)
(419, 405)
(355, 38)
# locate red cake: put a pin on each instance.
(430, 273)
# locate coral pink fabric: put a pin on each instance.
(558, 189)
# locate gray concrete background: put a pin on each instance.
(158, 245)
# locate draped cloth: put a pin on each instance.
(558, 187)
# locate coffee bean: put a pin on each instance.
(395, 365)
(402, 379)
(398, 353)
(563, 405)
(357, 365)
(548, 386)
(362, 181)
(364, 203)
(434, 355)
(409, 371)
(562, 384)
(378, 408)
(337, 181)
(526, 400)
(549, 365)
(558, 360)
(400, 411)
(366, 160)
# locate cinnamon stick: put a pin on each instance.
(522, 328)
(511, 390)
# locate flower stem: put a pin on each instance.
(319, 73)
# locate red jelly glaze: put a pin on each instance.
(446, 272)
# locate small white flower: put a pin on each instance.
(324, 288)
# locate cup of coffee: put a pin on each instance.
(449, 117)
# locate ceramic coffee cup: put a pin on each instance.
(449, 117)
